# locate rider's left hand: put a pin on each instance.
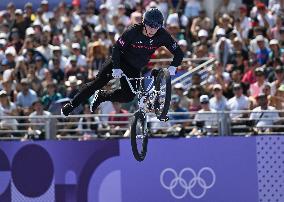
(172, 70)
(117, 73)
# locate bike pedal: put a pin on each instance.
(165, 119)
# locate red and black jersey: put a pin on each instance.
(134, 49)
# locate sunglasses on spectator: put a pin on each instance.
(204, 103)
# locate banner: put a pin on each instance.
(209, 169)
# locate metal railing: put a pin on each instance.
(203, 70)
(58, 127)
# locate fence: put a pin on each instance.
(72, 127)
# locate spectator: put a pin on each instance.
(116, 127)
(34, 119)
(40, 68)
(264, 115)
(218, 76)
(194, 93)
(26, 97)
(276, 52)
(34, 82)
(97, 54)
(179, 90)
(262, 54)
(88, 126)
(56, 72)
(192, 8)
(243, 22)
(7, 108)
(238, 102)
(20, 24)
(277, 100)
(257, 42)
(81, 59)
(225, 7)
(57, 53)
(207, 116)
(265, 19)
(182, 20)
(9, 87)
(51, 96)
(73, 69)
(45, 48)
(176, 107)
(223, 51)
(218, 102)
(275, 31)
(202, 22)
(278, 80)
(72, 86)
(184, 47)
(257, 87)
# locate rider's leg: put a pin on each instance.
(103, 77)
(88, 89)
(122, 95)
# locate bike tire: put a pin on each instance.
(163, 78)
(139, 154)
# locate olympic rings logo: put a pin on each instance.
(187, 183)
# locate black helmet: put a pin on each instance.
(153, 18)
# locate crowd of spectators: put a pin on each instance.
(46, 54)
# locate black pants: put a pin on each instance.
(122, 95)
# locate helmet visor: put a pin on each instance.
(154, 25)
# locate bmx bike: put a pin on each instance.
(155, 96)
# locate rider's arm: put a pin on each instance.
(174, 48)
(121, 45)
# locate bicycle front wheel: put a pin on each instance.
(139, 136)
(163, 98)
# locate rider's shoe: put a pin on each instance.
(97, 100)
(67, 109)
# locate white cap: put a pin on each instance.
(182, 42)
(202, 32)
(3, 35)
(56, 48)
(7, 74)
(77, 28)
(10, 50)
(221, 31)
(178, 86)
(46, 28)
(3, 42)
(36, 23)
(204, 98)
(44, 2)
(274, 42)
(76, 46)
(259, 38)
(30, 31)
(152, 4)
(19, 11)
(217, 86)
(103, 6)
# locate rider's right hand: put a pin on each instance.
(117, 73)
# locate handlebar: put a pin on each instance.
(138, 79)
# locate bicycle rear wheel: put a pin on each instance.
(139, 136)
(163, 98)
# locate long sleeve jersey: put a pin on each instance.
(134, 49)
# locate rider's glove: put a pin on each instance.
(117, 73)
(172, 70)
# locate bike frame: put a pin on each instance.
(142, 93)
